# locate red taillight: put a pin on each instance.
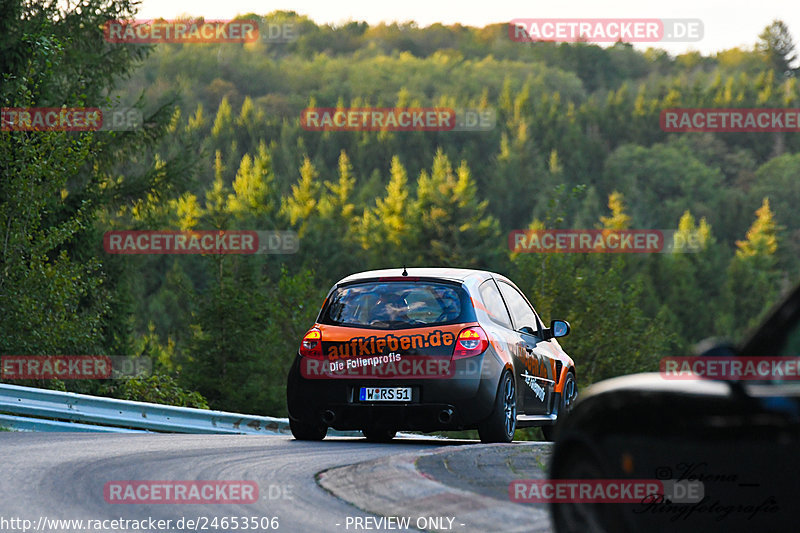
(311, 345)
(470, 342)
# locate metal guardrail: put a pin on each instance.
(69, 411)
(19, 423)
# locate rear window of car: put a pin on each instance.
(397, 305)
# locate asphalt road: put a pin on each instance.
(62, 476)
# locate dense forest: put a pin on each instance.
(576, 144)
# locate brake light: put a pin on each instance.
(311, 345)
(470, 342)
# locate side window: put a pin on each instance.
(521, 312)
(494, 304)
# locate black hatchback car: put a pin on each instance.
(428, 349)
(738, 437)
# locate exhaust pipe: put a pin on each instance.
(445, 416)
(328, 416)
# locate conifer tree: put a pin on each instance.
(302, 203)
(387, 230)
(453, 222)
(753, 279)
(618, 219)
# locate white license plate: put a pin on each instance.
(385, 394)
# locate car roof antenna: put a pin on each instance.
(405, 272)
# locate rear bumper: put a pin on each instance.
(452, 403)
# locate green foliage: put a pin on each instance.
(56, 293)
(761, 242)
(246, 334)
(300, 206)
(777, 181)
(158, 388)
(618, 219)
(51, 303)
(254, 188)
(777, 47)
(663, 181)
(577, 126)
(752, 282)
(387, 230)
(680, 280)
(453, 223)
(612, 334)
(605, 298)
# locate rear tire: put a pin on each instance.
(377, 434)
(502, 423)
(568, 396)
(302, 431)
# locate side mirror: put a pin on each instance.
(558, 328)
